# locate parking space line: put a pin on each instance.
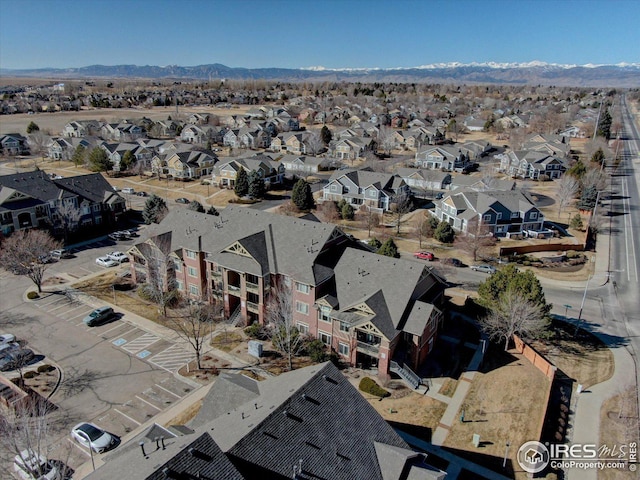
(80, 447)
(148, 403)
(112, 328)
(127, 416)
(168, 391)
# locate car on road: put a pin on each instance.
(31, 466)
(118, 257)
(98, 316)
(90, 436)
(128, 190)
(424, 255)
(183, 200)
(142, 194)
(106, 262)
(452, 261)
(60, 253)
(7, 338)
(15, 359)
(484, 268)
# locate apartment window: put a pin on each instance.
(251, 278)
(344, 327)
(192, 272)
(343, 349)
(193, 289)
(514, 214)
(190, 254)
(302, 288)
(486, 218)
(324, 338)
(534, 215)
(302, 308)
(180, 285)
(499, 216)
(303, 328)
(177, 266)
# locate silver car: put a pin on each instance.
(484, 268)
(91, 436)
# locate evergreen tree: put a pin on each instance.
(588, 198)
(577, 170)
(604, 126)
(389, 249)
(326, 135)
(375, 243)
(99, 160)
(257, 189)
(347, 212)
(444, 233)
(242, 183)
(127, 161)
(196, 206)
(78, 156)
(302, 197)
(510, 278)
(213, 211)
(598, 156)
(576, 222)
(155, 208)
(32, 127)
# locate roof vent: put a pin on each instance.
(329, 379)
(168, 473)
(198, 454)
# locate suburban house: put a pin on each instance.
(503, 213)
(474, 124)
(532, 164)
(190, 165)
(481, 184)
(202, 133)
(476, 149)
(81, 128)
(573, 132)
(121, 132)
(422, 180)
(551, 144)
(290, 142)
(63, 148)
(33, 199)
(372, 310)
(13, 144)
(442, 157)
(350, 148)
(290, 426)
(198, 119)
(116, 152)
(224, 173)
(302, 164)
(364, 187)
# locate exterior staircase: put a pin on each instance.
(406, 374)
(235, 319)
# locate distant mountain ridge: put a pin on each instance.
(533, 73)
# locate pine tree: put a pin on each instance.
(302, 197)
(242, 183)
(99, 160)
(128, 159)
(598, 156)
(347, 212)
(576, 222)
(444, 233)
(257, 189)
(588, 198)
(78, 156)
(375, 243)
(213, 211)
(389, 249)
(32, 127)
(196, 206)
(326, 135)
(155, 208)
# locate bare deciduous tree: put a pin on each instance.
(422, 228)
(385, 139)
(25, 252)
(513, 313)
(568, 187)
(401, 206)
(161, 284)
(369, 218)
(314, 143)
(193, 324)
(478, 238)
(67, 218)
(594, 178)
(285, 336)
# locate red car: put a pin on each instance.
(424, 255)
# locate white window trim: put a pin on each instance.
(342, 346)
(303, 288)
(302, 307)
(328, 335)
(190, 270)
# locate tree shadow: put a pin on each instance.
(496, 357)
(76, 381)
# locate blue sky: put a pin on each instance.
(304, 33)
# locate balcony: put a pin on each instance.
(233, 288)
(253, 307)
(253, 287)
(368, 348)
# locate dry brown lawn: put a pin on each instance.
(227, 341)
(619, 426)
(186, 415)
(494, 409)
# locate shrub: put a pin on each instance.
(369, 385)
(32, 295)
(46, 368)
(572, 254)
(30, 374)
(316, 351)
(256, 330)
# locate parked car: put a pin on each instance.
(91, 436)
(120, 235)
(7, 348)
(118, 257)
(439, 196)
(60, 253)
(424, 255)
(452, 261)
(106, 262)
(31, 466)
(142, 194)
(15, 358)
(183, 200)
(7, 338)
(98, 316)
(128, 190)
(484, 268)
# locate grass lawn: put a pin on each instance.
(583, 358)
(227, 341)
(494, 409)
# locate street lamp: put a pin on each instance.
(84, 435)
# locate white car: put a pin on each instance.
(7, 338)
(31, 466)
(128, 190)
(91, 436)
(118, 257)
(106, 262)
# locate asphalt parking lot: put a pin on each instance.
(116, 375)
